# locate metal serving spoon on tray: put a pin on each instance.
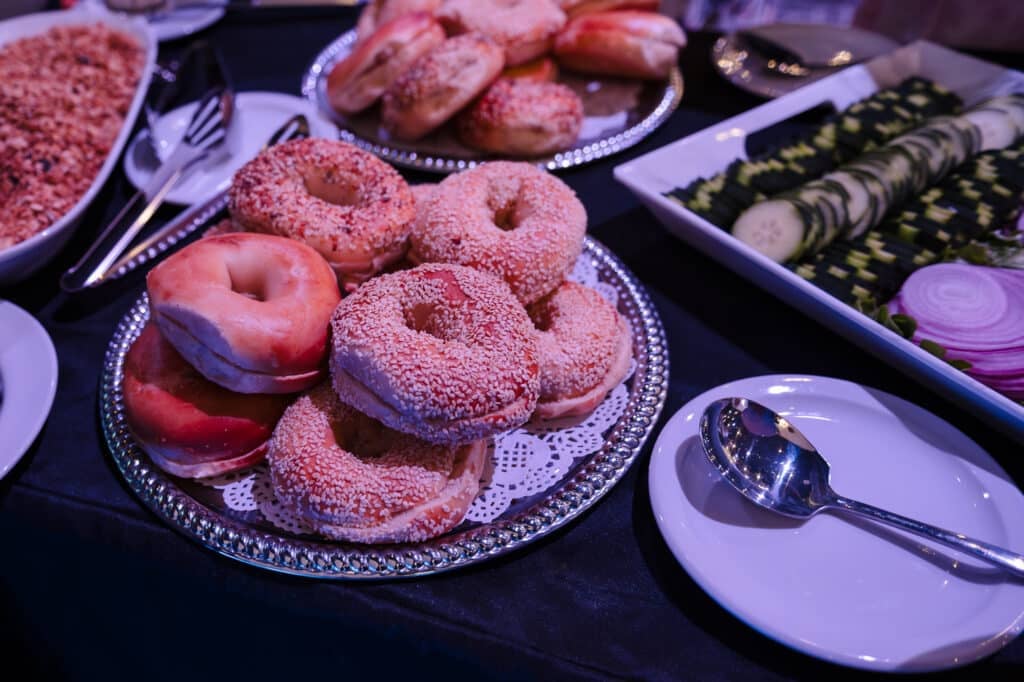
(771, 463)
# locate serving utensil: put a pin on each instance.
(778, 59)
(802, 50)
(199, 60)
(194, 217)
(772, 463)
(205, 132)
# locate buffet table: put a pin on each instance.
(93, 586)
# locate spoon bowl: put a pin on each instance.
(767, 459)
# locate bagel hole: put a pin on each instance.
(251, 284)
(332, 189)
(505, 215)
(363, 437)
(542, 319)
(422, 317)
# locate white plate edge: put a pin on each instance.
(50, 374)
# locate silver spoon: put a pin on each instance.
(768, 460)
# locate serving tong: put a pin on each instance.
(194, 217)
(206, 133)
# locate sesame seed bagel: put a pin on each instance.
(524, 28)
(351, 207)
(585, 349)
(511, 219)
(249, 311)
(520, 117)
(442, 352)
(440, 83)
(360, 79)
(354, 479)
(190, 426)
(377, 13)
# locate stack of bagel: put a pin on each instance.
(487, 65)
(374, 409)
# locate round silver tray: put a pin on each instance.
(200, 513)
(618, 113)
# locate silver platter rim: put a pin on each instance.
(313, 88)
(593, 476)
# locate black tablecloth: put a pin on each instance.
(93, 586)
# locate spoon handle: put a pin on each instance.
(1004, 558)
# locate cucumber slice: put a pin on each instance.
(995, 126)
(780, 229)
(862, 193)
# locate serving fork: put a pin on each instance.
(195, 217)
(206, 132)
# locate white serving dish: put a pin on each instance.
(24, 258)
(711, 150)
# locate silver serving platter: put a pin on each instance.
(618, 113)
(199, 512)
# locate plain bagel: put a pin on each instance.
(624, 43)
(249, 311)
(192, 427)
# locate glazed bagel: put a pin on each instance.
(354, 479)
(442, 352)
(352, 208)
(585, 350)
(542, 69)
(522, 118)
(511, 219)
(574, 8)
(249, 311)
(379, 12)
(190, 426)
(624, 43)
(440, 83)
(523, 28)
(360, 79)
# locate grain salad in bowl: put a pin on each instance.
(71, 84)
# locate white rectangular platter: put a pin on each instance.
(711, 150)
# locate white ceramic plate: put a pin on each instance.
(845, 590)
(181, 22)
(712, 149)
(28, 369)
(24, 258)
(257, 116)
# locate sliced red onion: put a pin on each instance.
(992, 363)
(966, 307)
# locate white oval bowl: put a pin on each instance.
(24, 258)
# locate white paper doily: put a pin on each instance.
(521, 463)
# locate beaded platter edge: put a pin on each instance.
(313, 88)
(596, 474)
